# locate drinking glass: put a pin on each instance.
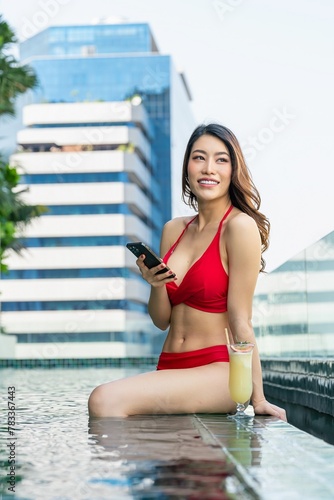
(240, 376)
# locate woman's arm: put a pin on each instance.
(159, 306)
(243, 246)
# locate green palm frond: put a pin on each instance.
(15, 79)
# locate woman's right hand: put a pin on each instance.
(151, 276)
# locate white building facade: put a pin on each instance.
(84, 299)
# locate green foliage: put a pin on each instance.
(15, 214)
(15, 79)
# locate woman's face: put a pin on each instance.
(209, 168)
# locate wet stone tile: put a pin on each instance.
(278, 459)
(168, 453)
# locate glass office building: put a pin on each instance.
(294, 305)
(102, 150)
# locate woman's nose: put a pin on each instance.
(209, 167)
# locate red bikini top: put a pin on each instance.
(205, 284)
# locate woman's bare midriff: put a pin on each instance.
(191, 329)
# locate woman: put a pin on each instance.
(216, 258)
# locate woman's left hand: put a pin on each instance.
(265, 408)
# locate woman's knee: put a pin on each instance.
(96, 402)
(105, 401)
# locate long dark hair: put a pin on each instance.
(242, 190)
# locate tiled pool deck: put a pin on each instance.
(213, 456)
(64, 455)
(273, 458)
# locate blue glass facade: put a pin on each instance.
(98, 39)
(92, 272)
(75, 241)
(70, 305)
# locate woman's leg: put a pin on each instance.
(203, 389)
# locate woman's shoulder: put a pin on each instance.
(174, 227)
(239, 217)
(178, 222)
(241, 224)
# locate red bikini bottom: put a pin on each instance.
(191, 359)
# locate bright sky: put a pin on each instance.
(263, 68)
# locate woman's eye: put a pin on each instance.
(224, 160)
(198, 157)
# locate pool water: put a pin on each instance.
(61, 454)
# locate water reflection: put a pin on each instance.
(147, 457)
(244, 443)
(241, 438)
(162, 456)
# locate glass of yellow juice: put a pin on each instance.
(240, 376)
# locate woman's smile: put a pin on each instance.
(208, 183)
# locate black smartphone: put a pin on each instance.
(151, 259)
